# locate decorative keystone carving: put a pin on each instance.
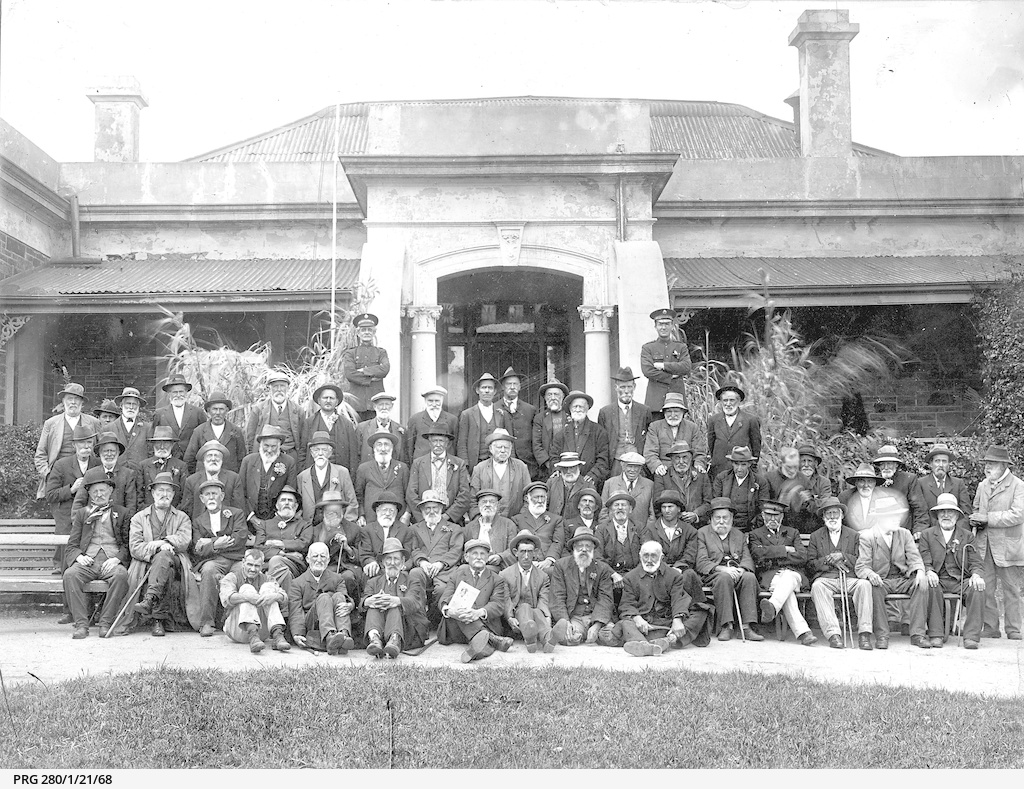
(510, 242)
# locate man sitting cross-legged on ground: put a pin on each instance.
(527, 611)
(952, 564)
(725, 564)
(830, 549)
(252, 601)
(656, 612)
(889, 559)
(218, 542)
(97, 549)
(779, 555)
(475, 620)
(395, 605)
(581, 596)
(318, 601)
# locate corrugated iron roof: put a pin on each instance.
(694, 129)
(833, 280)
(179, 274)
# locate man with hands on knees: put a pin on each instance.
(395, 605)
(318, 600)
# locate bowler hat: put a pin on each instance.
(331, 497)
(130, 391)
(320, 437)
(82, 433)
(741, 455)
(162, 433)
(338, 391)
(437, 430)
(218, 397)
(270, 431)
(888, 453)
(620, 495)
(553, 384)
(108, 438)
(387, 497)
(382, 434)
(72, 389)
(164, 478)
(500, 434)
(107, 407)
(730, 388)
(864, 471)
(624, 375)
(177, 380)
(576, 394)
(722, 503)
(583, 533)
(674, 400)
(524, 536)
(94, 476)
(393, 545)
(829, 503)
(946, 501)
(365, 319)
(937, 449)
(997, 453)
(669, 497)
(210, 445)
(471, 544)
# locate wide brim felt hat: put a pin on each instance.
(162, 433)
(82, 433)
(72, 389)
(501, 434)
(212, 444)
(270, 431)
(108, 438)
(829, 503)
(485, 377)
(130, 391)
(522, 537)
(216, 398)
(336, 388)
(393, 545)
(579, 494)
(624, 375)
(997, 454)
(330, 497)
(674, 400)
(583, 533)
(107, 407)
(553, 385)
(510, 373)
(320, 438)
(668, 497)
(382, 434)
(938, 449)
(864, 471)
(679, 448)
(741, 455)
(164, 478)
(620, 496)
(576, 394)
(730, 388)
(177, 380)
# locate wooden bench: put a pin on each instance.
(26, 557)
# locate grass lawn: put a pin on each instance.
(406, 717)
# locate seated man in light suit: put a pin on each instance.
(631, 481)
(252, 601)
(527, 612)
(478, 622)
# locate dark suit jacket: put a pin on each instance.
(413, 595)
(534, 595)
(549, 528)
(233, 526)
(232, 438)
(297, 536)
(676, 356)
(608, 418)
(192, 504)
(745, 432)
(754, 492)
(126, 491)
(472, 432)
(544, 437)
(81, 534)
(191, 418)
(303, 593)
(493, 597)
(947, 559)
(695, 490)
(712, 551)
(416, 445)
(659, 441)
(260, 416)
(458, 485)
(367, 428)
(663, 601)
(346, 443)
(770, 555)
(136, 443)
(565, 588)
(172, 465)
(373, 541)
(444, 545)
(58, 489)
(819, 546)
(621, 557)
(592, 447)
(520, 424)
(371, 482)
(560, 497)
(924, 495)
(502, 531)
(249, 479)
(679, 552)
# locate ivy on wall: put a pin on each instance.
(1001, 337)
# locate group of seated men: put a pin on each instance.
(542, 524)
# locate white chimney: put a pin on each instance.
(823, 41)
(118, 101)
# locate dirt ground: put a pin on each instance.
(34, 648)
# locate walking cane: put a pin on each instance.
(127, 602)
(960, 600)
(844, 608)
(739, 614)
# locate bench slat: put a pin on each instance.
(33, 539)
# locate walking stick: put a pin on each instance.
(960, 600)
(739, 614)
(844, 608)
(127, 602)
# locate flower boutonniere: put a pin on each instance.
(282, 524)
(547, 519)
(593, 576)
(403, 588)
(279, 468)
(225, 514)
(445, 529)
(334, 481)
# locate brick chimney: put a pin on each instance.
(118, 103)
(823, 41)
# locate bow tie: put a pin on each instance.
(129, 422)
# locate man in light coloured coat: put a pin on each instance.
(56, 440)
(999, 518)
(527, 612)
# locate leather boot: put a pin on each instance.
(278, 641)
(500, 643)
(376, 647)
(255, 642)
(145, 606)
(394, 646)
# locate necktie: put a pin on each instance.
(110, 475)
(383, 467)
(280, 410)
(159, 464)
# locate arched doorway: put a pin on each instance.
(499, 318)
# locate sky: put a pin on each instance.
(928, 78)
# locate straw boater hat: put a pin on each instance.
(500, 434)
(864, 471)
(730, 388)
(130, 391)
(553, 384)
(619, 496)
(829, 503)
(164, 478)
(216, 398)
(938, 449)
(108, 438)
(210, 445)
(997, 454)
(946, 501)
(722, 503)
(568, 460)
(270, 431)
(162, 433)
(674, 400)
(107, 407)
(338, 391)
(888, 453)
(72, 389)
(583, 533)
(177, 380)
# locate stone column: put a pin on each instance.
(598, 352)
(424, 348)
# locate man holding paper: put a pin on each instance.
(472, 605)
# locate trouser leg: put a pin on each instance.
(376, 620)
(161, 571)
(1011, 578)
(822, 591)
(936, 610)
(117, 590)
(974, 603)
(880, 623)
(283, 570)
(270, 613)
(785, 585)
(863, 602)
(323, 611)
(747, 590)
(75, 596)
(722, 591)
(577, 630)
(988, 572)
(630, 632)
(210, 575)
(394, 623)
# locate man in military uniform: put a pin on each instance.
(366, 366)
(665, 362)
